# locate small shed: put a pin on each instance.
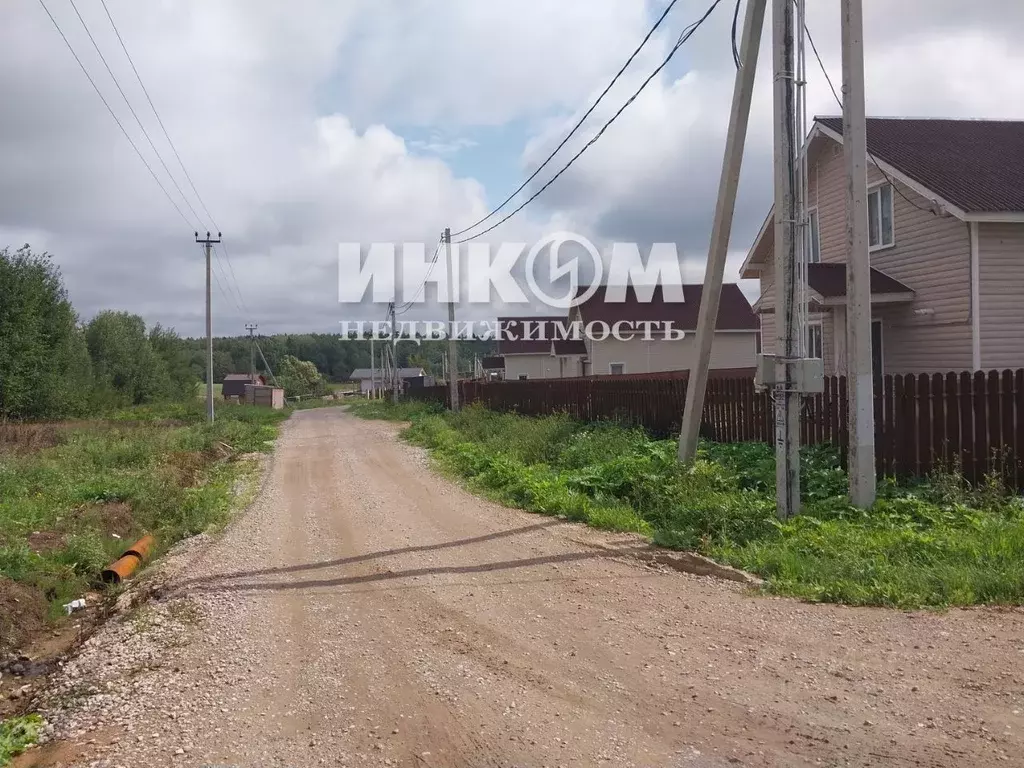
(235, 383)
(268, 397)
(365, 376)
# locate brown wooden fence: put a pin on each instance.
(921, 420)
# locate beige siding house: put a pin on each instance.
(532, 350)
(946, 224)
(734, 346)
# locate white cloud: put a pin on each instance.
(286, 116)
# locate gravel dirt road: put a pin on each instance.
(366, 611)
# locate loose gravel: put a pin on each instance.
(366, 611)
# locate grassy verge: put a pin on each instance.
(933, 544)
(84, 491)
(17, 734)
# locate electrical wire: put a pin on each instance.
(406, 306)
(170, 142)
(116, 119)
(683, 37)
(131, 109)
(579, 123)
(735, 24)
(233, 282)
(839, 101)
(216, 279)
(160, 121)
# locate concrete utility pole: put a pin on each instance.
(453, 365)
(743, 89)
(787, 343)
(208, 244)
(861, 460)
(373, 369)
(251, 328)
(396, 377)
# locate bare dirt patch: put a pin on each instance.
(23, 612)
(63, 753)
(111, 517)
(42, 542)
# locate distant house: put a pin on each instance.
(734, 345)
(493, 368)
(234, 384)
(531, 349)
(367, 378)
(946, 234)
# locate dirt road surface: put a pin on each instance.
(367, 611)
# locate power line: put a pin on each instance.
(159, 120)
(174, 149)
(735, 24)
(132, 110)
(406, 306)
(114, 115)
(839, 101)
(683, 37)
(220, 287)
(233, 282)
(579, 123)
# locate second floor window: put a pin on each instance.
(813, 239)
(880, 232)
(815, 340)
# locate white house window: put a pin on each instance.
(523, 377)
(880, 232)
(815, 342)
(616, 369)
(813, 238)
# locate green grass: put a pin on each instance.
(156, 469)
(933, 544)
(17, 734)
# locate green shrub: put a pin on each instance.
(17, 734)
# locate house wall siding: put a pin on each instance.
(931, 254)
(767, 333)
(534, 366)
(729, 350)
(1001, 288)
(915, 348)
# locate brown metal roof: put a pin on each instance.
(513, 330)
(570, 347)
(734, 312)
(829, 280)
(977, 165)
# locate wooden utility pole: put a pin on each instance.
(861, 459)
(787, 342)
(396, 377)
(208, 244)
(251, 328)
(453, 352)
(743, 89)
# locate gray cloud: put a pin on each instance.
(281, 113)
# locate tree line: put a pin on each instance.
(52, 365)
(335, 357)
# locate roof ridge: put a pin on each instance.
(931, 118)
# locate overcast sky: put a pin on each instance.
(313, 122)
